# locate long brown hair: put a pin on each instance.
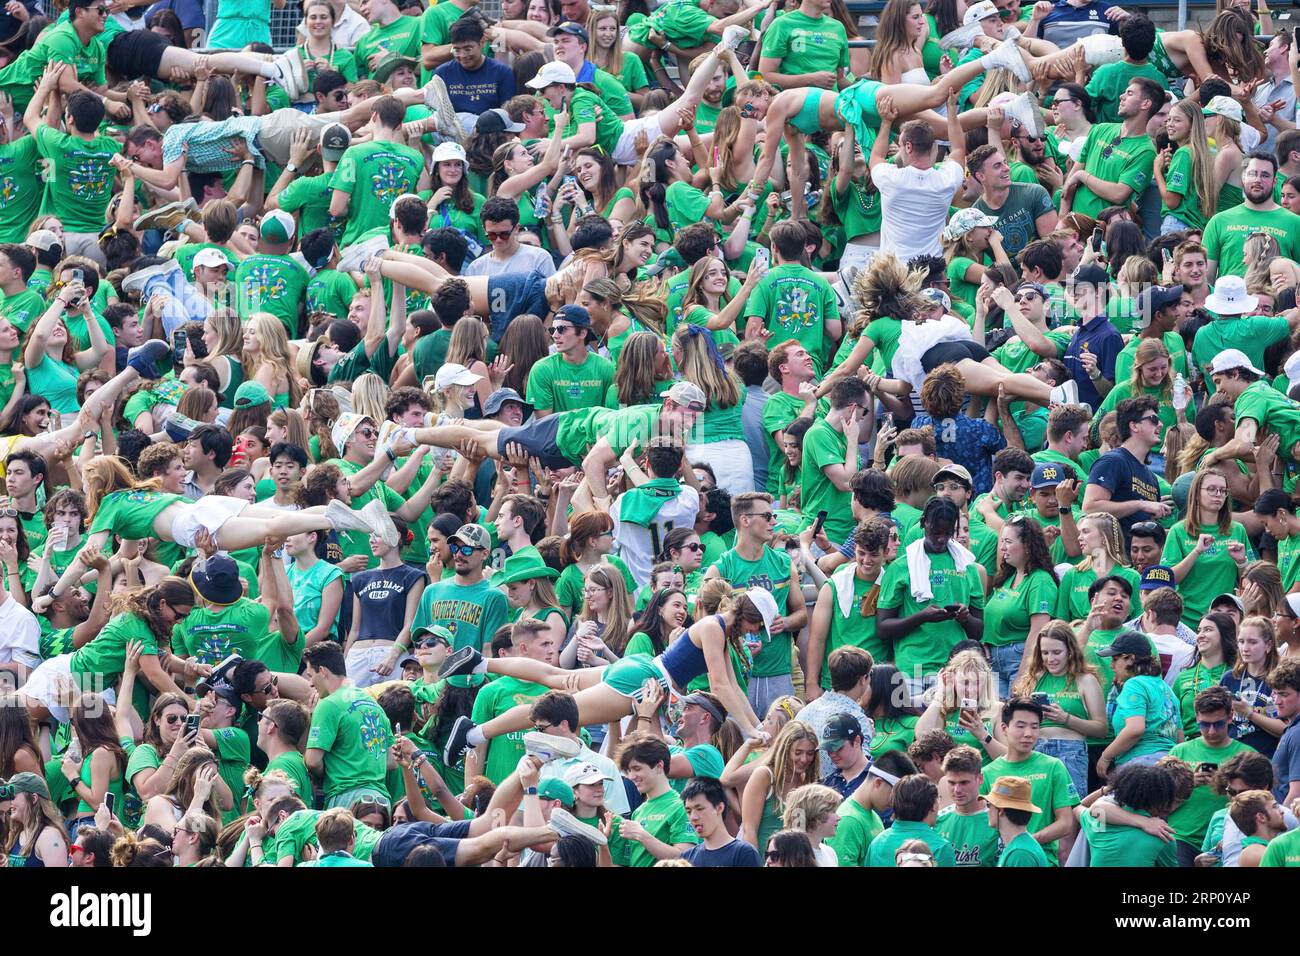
(525, 343)
(1076, 665)
(152, 732)
(891, 35)
(16, 733)
(92, 721)
(181, 786)
(583, 529)
(1037, 555)
(146, 604)
(635, 376)
(619, 615)
(785, 778)
(322, 409)
(107, 474)
(1195, 519)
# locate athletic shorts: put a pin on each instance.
(210, 512)
(137, 53)
(512, 295)
(628, 676)
(538, 437)
(946, 352)
(279, 127)
(624, 153)
(856, 107)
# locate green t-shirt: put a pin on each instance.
(857, 828)
(385, 171)
(1226, 232)
(1023, 850)
(958, 284)
(497, 697)
(331, 291)
(580, 430)
(587, 107)
(1283, 850)
(822, 446)
(926, 649)
(1008, 610)
(886, 844)
(293, 766)
(309, 197)
(299, 830)
(664, 818)
(556, 384)
(60, 44)
(795, 303)
(1111, 156)
(22, 309)
(1050, 788)
(1072, 596)
(1272, 411)
(399, 38)
(1213, 572)
(80, 175)
(130, 513)
(779, 411)
(856, 629)
(1192, 817)
(1111, 844)
(105, 656)
(772, 572)
(1190, 682)
(471, 612)
(355, 734)
(1151, 699)
(211, 634)
(21, 188)
(233, 754)
(1181, 179)
(1110, 80)
(274, 284)
(1177, 357)
(1252, 334)
(680, 21)
(893, 733)
(807, 44)
(974, 842)
(308, 585)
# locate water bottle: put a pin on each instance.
(1180, 391)
(542, 201)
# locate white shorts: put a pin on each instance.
(625, 153)
(732, 464)
(43, 686)
(210, 512)
(1101, 48)
(360, 660)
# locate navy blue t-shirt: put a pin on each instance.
(1103, 340)
(735, 853)
(1286, 759)
(1127, 479)
(381, 594)
(1068, 23)
(485, 89)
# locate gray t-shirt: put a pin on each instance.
(1018, 215)
(526, 259)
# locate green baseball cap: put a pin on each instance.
(437, 630)
(553, 788)
(251, 393)
(27, 782)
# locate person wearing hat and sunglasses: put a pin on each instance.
(1145, 718)
(573, 377)
(1010, 808)
(467, 604)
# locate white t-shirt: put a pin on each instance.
(914, 206)
(826, 855)
(1179, 655)
(20, 634)
(639, 545)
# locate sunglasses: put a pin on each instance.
(1212, 724)
(693, 546)
(1234, 792)
(765, 515)
(465, 550)
(1150, 419)
(1110, 147)
(431, 642)
(271, 685)
(367, 433)
(174, 719)
(1026, 296)
(561, 329)
(773, 856)
(1144, 529)
(74, 850)
(495, 234)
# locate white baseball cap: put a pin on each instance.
(448, 151)
(978, 11)
(1223, 106)
(453, 374)
(213, 258)
(557, 72)
(762, 599)
(687, 393)
(1229, 359)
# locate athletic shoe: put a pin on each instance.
(461, 663)
(457, 743)
(438, 100)
(137, 280)
(285, 77)
(963, 38)
(166, 217)
(1067, 393)
(344, 518)
(566, 824)
(149, 359)
(733, 36)
(380, 523)
(548, 747)
(1007, 56)
(1025, 111)
(355, 256)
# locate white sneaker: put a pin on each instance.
(566, 824)
(963, 38)
(438, 100)
(377, 517)
(285, 78)
(733, 36)
(355, 256)
(548, 747)
(136, 281)
(1007, 56)
(1024, 110)
(1067, 393)
(344, 518)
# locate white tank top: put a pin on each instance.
(918, 76)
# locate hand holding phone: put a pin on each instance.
(817, 525)
(191, 724)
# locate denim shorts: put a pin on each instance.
(1072, 753)
(1006, 664)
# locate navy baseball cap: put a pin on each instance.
(1158, 576)
(1047, 475)
(574, 314)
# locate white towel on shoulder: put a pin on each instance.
(918, 565)
(843, 584)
